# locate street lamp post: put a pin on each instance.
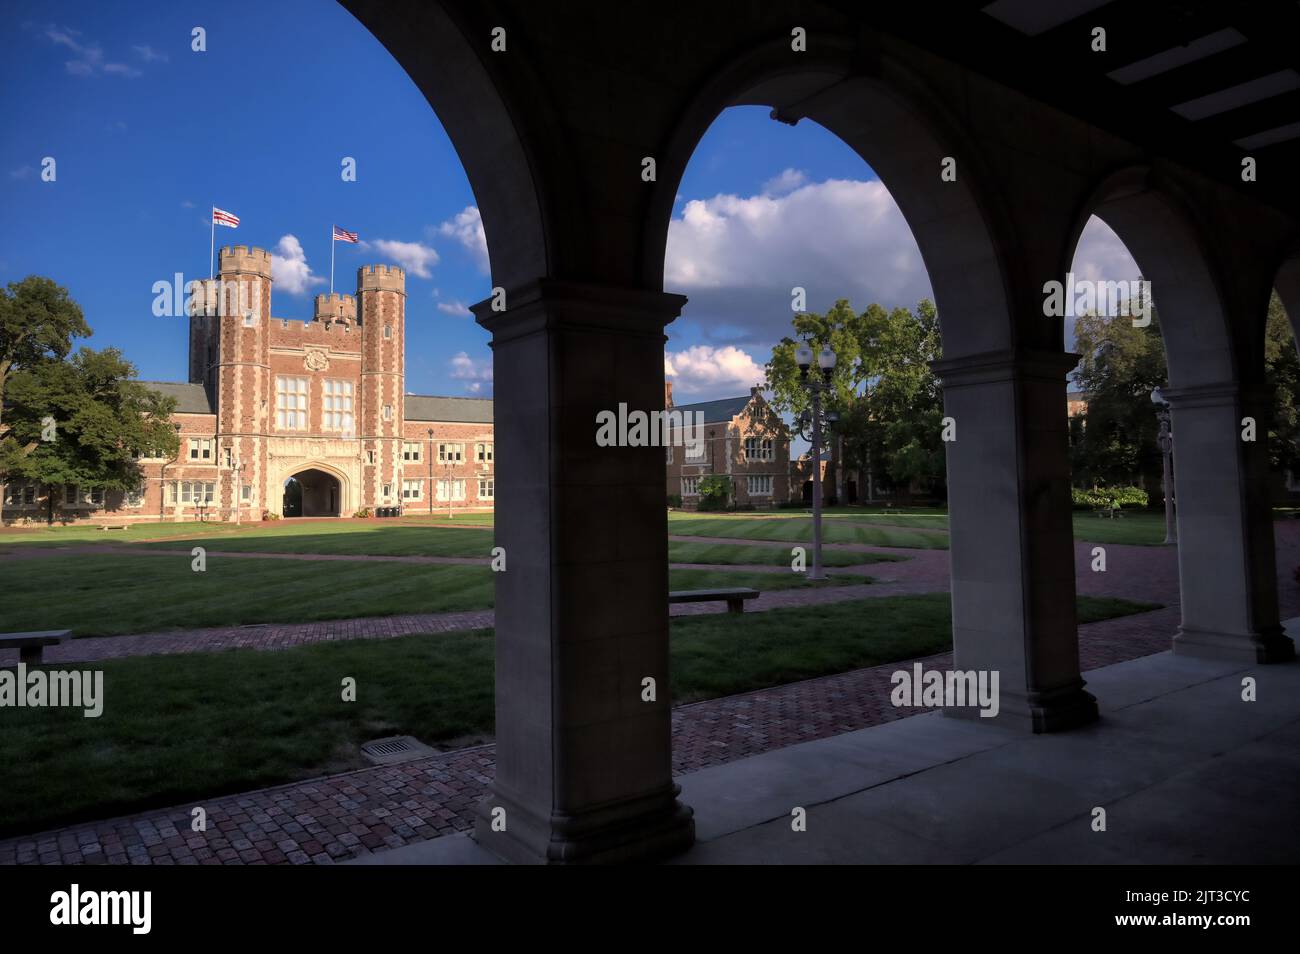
(1165, 441)
(430, 456)
(815, 385)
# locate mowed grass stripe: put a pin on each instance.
(178, 728)
(800, 531)
(115, 594)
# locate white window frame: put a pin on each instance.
(763, 482)
(200, 448)
(134, 497)
(487, 488)
(388, 491)
(388, 412)
(88, 497)
(484, 452)
(760, 449)
(411, 451)
(457, 488)
(701, 457)
(336, 405)
(17, 490)
(445, 455)
(412, 489)
(292, 401)
(388, 331)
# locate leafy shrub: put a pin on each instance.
(790, 504)
(270, 515)
(675, 500)
(1109, 497)
(363, 513)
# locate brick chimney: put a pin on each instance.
(668, 394)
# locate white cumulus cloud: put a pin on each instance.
(1101, 256)
(415, 258)
(787, 181)
(738, 257)
(457, 308)
(289, 268)
(466, 227)
(703, 370)
(477, 375)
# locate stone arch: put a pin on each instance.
(1157, 226)
(346, 490)
(900, 128)
(434, 50)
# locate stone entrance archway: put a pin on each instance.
(312, 493)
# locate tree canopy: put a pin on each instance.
(888, 399)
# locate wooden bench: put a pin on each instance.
(31, 646)
(734, 597)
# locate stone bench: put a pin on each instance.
(112, 526)
(31, 646)
(734, 597)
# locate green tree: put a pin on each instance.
(1119, 366)
(888, 400)
(1114, 441)
(715, 491)
(1282, 378)
(102, 419)
(38, 321)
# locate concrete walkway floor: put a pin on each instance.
(1186, 771)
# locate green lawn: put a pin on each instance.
(1136, 527)
(179, 728)
(348, 540)
(799, 530)
(109, 595)
(740, 555)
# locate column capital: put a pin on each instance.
(1218, 394)
(549, 304)
(994, 366)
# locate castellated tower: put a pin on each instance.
(381, 294)
(239, 375)
(336, 309)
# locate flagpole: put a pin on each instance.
(212, 243)
(331, 259)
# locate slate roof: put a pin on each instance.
(433, 407)
(190, 398)
(716, 412)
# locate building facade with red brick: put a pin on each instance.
(742, 438)
(297, 418)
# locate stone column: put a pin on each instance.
(584, 765)
(1011, 539)
(1226, 564)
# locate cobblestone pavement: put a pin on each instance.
(328, 819)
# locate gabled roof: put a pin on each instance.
(716, 412)
(190, 398)
(433, 407)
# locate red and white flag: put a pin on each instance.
(222, 217)
(343, 235)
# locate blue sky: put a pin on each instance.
(147, 135)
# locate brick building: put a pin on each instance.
(744, 439)
(297, 418)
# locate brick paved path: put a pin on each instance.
(327, 819)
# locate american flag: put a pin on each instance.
(222, 217)
(343, 235)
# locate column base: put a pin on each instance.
(645, 830)
(1269, 646)
(1056, 710)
